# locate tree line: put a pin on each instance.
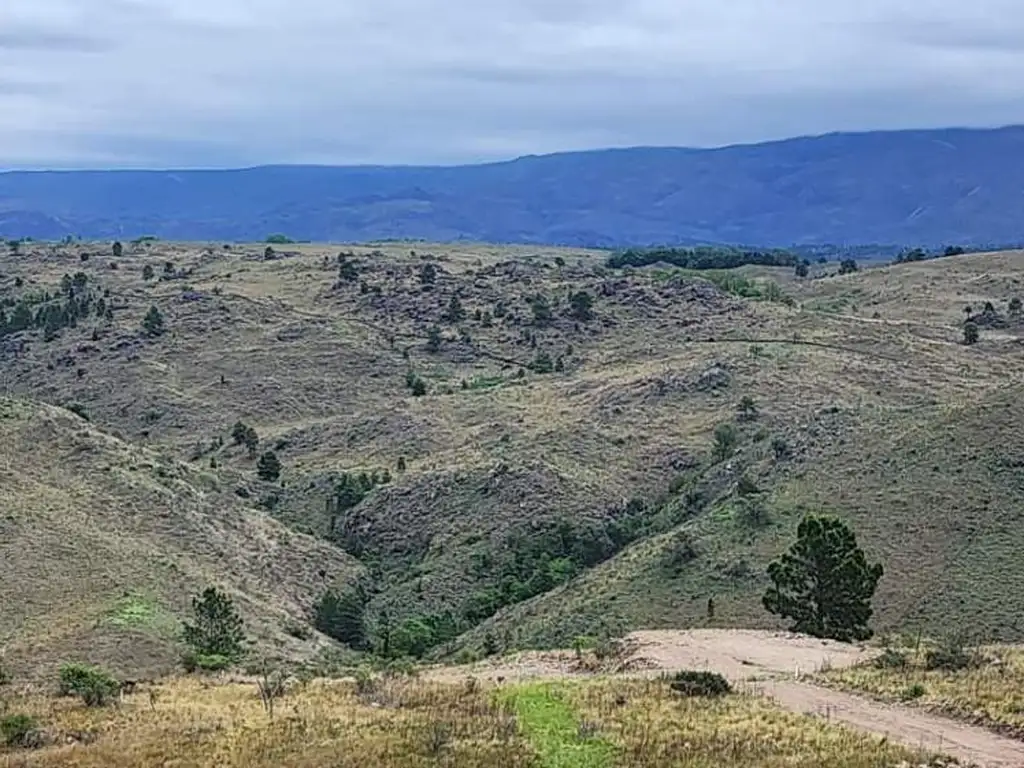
(703, 257)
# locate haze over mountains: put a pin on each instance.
(927, 187)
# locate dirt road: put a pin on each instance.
(775, 664)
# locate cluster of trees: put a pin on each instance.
(703, 257)
(74, 301)
(920, 254)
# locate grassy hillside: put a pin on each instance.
(104, 543)
(560, 467)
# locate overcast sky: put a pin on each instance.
(185, 83)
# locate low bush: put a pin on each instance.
(94, 685)
(951, 656)
(891, 659)
(16, 729)
(692, 683)
(204, 662)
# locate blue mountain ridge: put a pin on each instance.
(922, 187)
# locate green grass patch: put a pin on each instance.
(141, 612)
(484, 382)
(553, 729)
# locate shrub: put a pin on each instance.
(780, 448)
(680, 551)
(79, 410)
(416, 385)
(269, 467)
(751, 512)
(15, 729)
(1014, 307)
(95, 686)
(433, 339)
(242, 434)
(891, 659)
(725, 441)
(147, 272)
(847, 266)
(951, 656)
(204, 662)
(153, 322)
(692, 683)
(911, 692)
(581, 306)
(347, 270)
(117, 250)
(970, 333)
(801, 269)
(746, 487)
(747, 408)
(428, 274)
(542, 314)
(542, 363)
(455, 311)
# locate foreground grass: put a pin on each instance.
(653, 726)
(552, 726)
(404, 723)
(989, 694)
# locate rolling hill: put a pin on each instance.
(497, 459)
(928, 188)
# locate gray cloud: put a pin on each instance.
(195, 82)
(37, 39)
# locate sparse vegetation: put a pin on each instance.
(464, 554)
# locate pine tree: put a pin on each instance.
(117, 250)
(824, 582)
(342, 616)
(153, 322)
(581, 304)
(455, 312)
(269, 467)
(970, 333)
(218, 629)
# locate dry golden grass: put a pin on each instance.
(410, 723)
(990, 694)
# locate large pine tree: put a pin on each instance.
(824, 582)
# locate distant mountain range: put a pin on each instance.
(927, 188)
